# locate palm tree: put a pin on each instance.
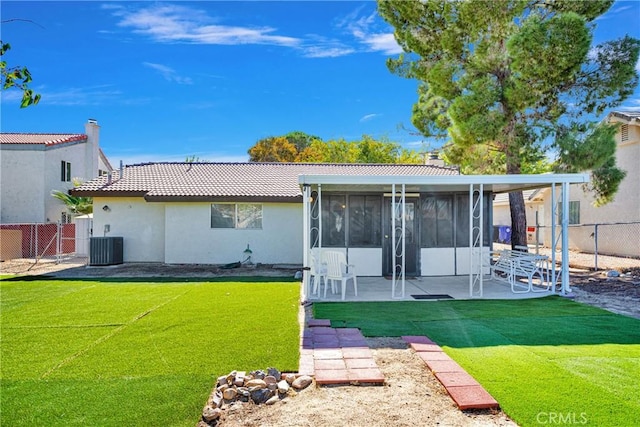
(75, 205)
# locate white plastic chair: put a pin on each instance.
(318, 273)
(338, 269)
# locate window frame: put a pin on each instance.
(65, 171)
(574, 212)
(236, 216)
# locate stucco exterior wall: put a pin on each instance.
(190, 238)
(141, 224)
(22, 186)
(74, 154)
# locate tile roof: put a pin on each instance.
(47, 139)
(529, 195)
(208, 181)
(627, 115)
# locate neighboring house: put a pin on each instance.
(387, 219)
(35, 164)
(618, 237)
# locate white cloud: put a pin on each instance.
(169, 73)
(368, 117)
(327, 51)
(93, 95)
(179, 24)
(364, 29)
(630, 105)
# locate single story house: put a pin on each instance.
(395, 220)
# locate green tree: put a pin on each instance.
(275, 149)
(300, 147)
(17, 77)
(301, 140)
(506, 81)
(75, 205)
(194, 159)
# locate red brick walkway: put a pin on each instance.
(465, 391)
(342, 356)
(337, 356)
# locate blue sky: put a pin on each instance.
(167, 80)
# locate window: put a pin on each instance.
(65, 171)
(437, 222)
(462, 220)
(243, 216)
(574, 212)
(333, 220)
(365, 220)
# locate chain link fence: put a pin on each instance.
(601, 246)
(28, 248)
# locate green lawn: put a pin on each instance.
(546, 361)
(123, 353)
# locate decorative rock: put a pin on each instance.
(222, 380)
(216, 399)
(223, 387)
(290, 378)
(283, 387)
(257, 383)
(239, 379)
(302, 382)
(272, 383)
(243, 394)
(613, 273)
(230, 394)
(260, 395)
(258, 374)
(209, 414)
(274, 373)
(272, 400)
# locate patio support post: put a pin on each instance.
(320, 220)
(554, 240)
(404, 241)
(306, 234)
(398, 241)
(476, 240)
(566, 288)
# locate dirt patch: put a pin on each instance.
(411, 396)
(617, 294)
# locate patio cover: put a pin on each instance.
(399, 186)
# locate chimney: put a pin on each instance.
(92, 130)
(433, 159)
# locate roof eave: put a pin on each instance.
(211, 199)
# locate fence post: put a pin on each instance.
(58, 241)
(595, 250)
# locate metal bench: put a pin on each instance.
(513, 264)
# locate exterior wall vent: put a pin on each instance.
(624, 133)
